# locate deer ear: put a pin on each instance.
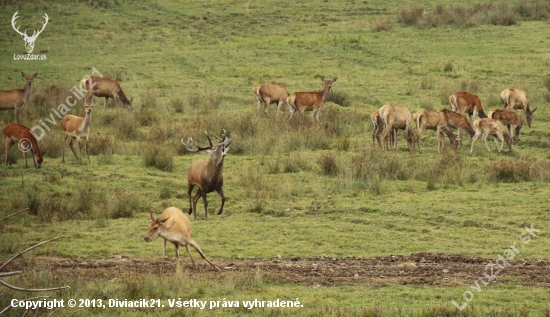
(35, 74)
(23, 74)
(534, 110)
(334, 79)
(44, 153)
(322, 78)
(153, 217)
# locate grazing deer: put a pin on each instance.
(378, 127)
(308, 101)
(396, 117)
(268, 94)
(24, 137)
(432, 120)
(514, 98)
(457, 121)
(105, 87)
(465, 102)
(509, 118)
(175, 227)
(77, 128)
(206, 174)
(492, 127)
(15, 98)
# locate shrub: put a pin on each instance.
(381, 25)
(328, 164)
(159, 156)
(410, 17)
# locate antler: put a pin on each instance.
(24, 34)
(15, 17)
(43, 26)
(198, 148)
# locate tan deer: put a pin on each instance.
(378, 127)
(15, 98)
(26, 141)
(457, 121)
(174, 226)
(268, 94)
(398, 118)
(105, 87)
(495, 128)
(206, 174)
(308, 101)
(514, 98)
(509, 118)
(77, 128)
(432, 120)
(467, 103)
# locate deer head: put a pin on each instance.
(29, 40)
(217, 151)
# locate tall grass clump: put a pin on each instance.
(381, 25)
(328, 164)
(526, 170)
(205, 103)
(158, 155)
(410, 17)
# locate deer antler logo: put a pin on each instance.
(29, 40)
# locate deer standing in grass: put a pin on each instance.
(398, 118)
(495, 128)
(77, 128)
(378, 127)
(15, 98)
(514, 98)
(24, 137)
(457, 121)
(206, 174)
(509, 118)
(432, 120)
(105, 87)
(174, 226)
(268, 94)
(467, 103)
(308, 101)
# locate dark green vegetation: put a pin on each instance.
(313, 190)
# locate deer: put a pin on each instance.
(378, 127)
(77, 128)
(457, 121)
(432, 120)
(308, 101)
(174, 226)
(396, 117)
(105, 87)
(486, 127)
(514, 98)
(268, 94)
(467, 103)
(29, 40)
(509, 118)
(26, 141)
(206, 174)
(15, 98)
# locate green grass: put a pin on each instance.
(297, 191)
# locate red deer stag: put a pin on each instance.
(457, 121)
(24, 137)
(308, 101)
(486, 127)
(15, 98)
(432, 120)
(399, 118)
(509, 118)
(105, 87)
(465, 102)
(206, 174)
(77, 128)
(514, 98)
(175, 227)
(378, 127)
(268, 94)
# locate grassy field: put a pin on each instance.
(298, 191)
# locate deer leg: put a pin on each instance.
(63, 148)
(25, 156)
(387, 130)
(17, 110)
(301, 117)
(279, 104)
(72, 149)
(474, 138)
(205, 202)
(315, 115)
(86, 146)
(9, 143)
(196, 247)
(220, 192)
(189, 190)
(259, 103)
(291, 111)
(34, 158)
(164, 248)
(484, 139)
(80, 148)
(189, 252)
(195, 199)
(266, 106)
(105, 103)
(499, 147)
(176, 248)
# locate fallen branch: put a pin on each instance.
(6, 217)
(32, 289)
(34, 246)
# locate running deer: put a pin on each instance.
(206, 174)
(509, 118)
(465, 102)
(486, 127)
(399, 118)
(15, 98)
(174, 226)
(308, 101)
(105, 87)
(378, 127)
(268, 94)
(432, 120)
(457, 121)
(24, 137)
(514, 98)
(77, 128)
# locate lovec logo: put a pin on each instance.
(29, 40)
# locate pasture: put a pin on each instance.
(314, 212)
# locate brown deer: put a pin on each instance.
(15, 98)
(174, 226)
(77, 128)
(486, 127)
(378, 127)
(457, 121)
(509, 118)
(514, 98)
(268, 94)
(467, 103)
(26, 141)
(308, 101)
(432, 120)
(206, 174)
(105, 87)
(399, 118)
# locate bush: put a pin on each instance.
(328, 164)
(410, 17)
(381, 25)
(159, 156)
